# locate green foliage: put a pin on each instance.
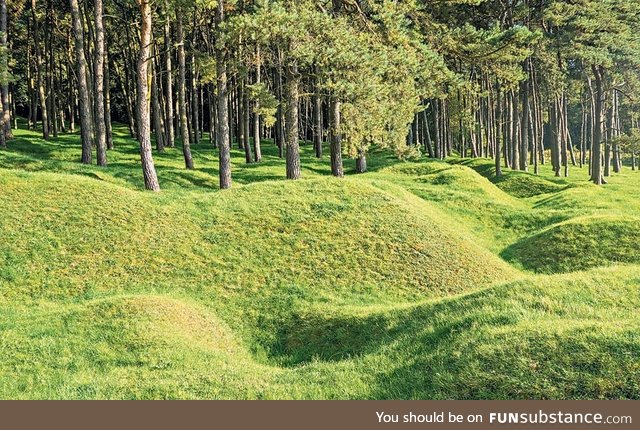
(629, 143)
(267, 102)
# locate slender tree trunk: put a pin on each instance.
(361, 162)
(224, 143)
(101, 127)
(516, 136)
(607, 141)
(317, 122)
(437, 133)
(257, 151)
(498, 163)
(293, 149)
(195, 105)
(170, 141)
(524, 144)
(155, 103)
(85, 105)
(337, 169)
(144, 122)
(596, 154)
(32, 118)
(428, 143)
(244, 119)
(40, 70)
(4, 65)
(212, 115)
(107, 101)
(280, 116)
(615, 133)
(182, 92)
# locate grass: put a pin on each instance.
(421, 279)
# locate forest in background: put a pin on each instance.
(524, 82)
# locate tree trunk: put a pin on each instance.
(155, 103)
(86, 125)
(144, 122)
(497, 154)
(361, 162)
(182, 92)
(317, 122)
(40, 70)
(524, 145)
(107, 101)
(245, 120)
(170, 140)
(195, 105)
(224, 143)
(337, 169)
(257, 151)
(101, 128)
(596, 151)
(4, 65)
(293, 149)
(280, 117)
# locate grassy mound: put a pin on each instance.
(254, 255)
(69, 236)
(472, 200)
(563, 336)
(517, 184)
(579, 244)
(524, 185)
(383, 285)
(567, 336)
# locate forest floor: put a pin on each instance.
(425, 279)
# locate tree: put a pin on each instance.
(142, 105)
(222, 135)
(40, 66)
(100, 120)
(5, 120)
(182, 90)
(293, 148)
(86, 122)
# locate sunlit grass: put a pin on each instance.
(392, 284)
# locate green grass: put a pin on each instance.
(415, 280)
(578, 244)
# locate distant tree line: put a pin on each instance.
(524, 82)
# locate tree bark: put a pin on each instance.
(280, 116)
(107, 101)
(293, 148)
(101, 128)
(155, 103)
(337, 168)
(245, 126)
(361, 162)
(596, 153)
(182, 92)
(498, 163)
(224, 142)
(4, 66)
(317, 122)
(40, 70)
(144, 122)
(524, 147)
(170, 140)
(257, 150)
(86, 126)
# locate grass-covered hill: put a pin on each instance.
(416, 280)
